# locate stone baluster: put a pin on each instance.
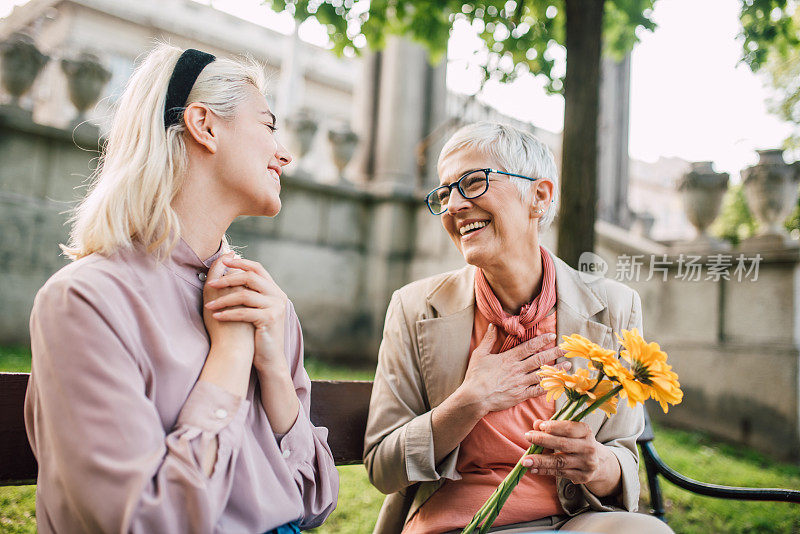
(770, 189)
(86, 79)
(344, 142)
(22, 62)
(703, 190)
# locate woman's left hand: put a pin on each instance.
(577, 456)
(261, 303)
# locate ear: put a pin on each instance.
(201, 126)
(541, 196)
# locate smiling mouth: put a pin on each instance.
(472, 227)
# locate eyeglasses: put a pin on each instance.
(471, 185)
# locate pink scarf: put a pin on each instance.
(522, 327)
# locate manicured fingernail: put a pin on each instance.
(534, 471)
(527, 462)
(210, 304)
(551, 337)
(567, 365)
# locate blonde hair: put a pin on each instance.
(143, 166)
(516, 150)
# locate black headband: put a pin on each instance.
(187, 69)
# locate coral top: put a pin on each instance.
(488, 453)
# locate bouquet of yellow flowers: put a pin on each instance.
(649, 376)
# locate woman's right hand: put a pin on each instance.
(500, 381)
(235, 336)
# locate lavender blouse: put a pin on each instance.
(126, 435)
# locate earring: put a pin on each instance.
(539, 211)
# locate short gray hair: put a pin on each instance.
(516, 150)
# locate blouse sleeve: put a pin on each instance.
(98, 437)
(305, 446)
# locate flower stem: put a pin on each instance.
(491, 508)
(484, 518)
(599, 402)
(580, 402)
(600, 377)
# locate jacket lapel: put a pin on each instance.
(578, 303)
(443, 339)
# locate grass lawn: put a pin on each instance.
(691, 453)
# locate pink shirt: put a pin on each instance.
(124, 433)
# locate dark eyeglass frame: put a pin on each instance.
(457, 184)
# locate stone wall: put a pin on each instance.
(337, 250)
(41, 168)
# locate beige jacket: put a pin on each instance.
(423, 359)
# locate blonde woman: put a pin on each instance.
(167, 391)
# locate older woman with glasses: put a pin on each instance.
(456, 400)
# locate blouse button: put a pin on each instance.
(201, 276)
(221, 413)
(286, 453)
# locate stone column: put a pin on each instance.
(612, 158)
(405, 102)
(365, 116)
(290, 85)
(402, 101)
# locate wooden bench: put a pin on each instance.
(342, 408)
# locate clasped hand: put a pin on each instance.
(247, 294)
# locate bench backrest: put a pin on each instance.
(341, 406)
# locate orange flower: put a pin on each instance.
(652, 377)
(604, 360)
(557, 381)
(603, 389)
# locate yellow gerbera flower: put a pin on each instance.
(601, 390)
(604, 360)
(652, 377)
(577, 345)
(665, 388)
(557, 381)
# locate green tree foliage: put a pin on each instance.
(769, 31)
(771, 45)
(793, 222)
(735, 221)
(520, 35)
